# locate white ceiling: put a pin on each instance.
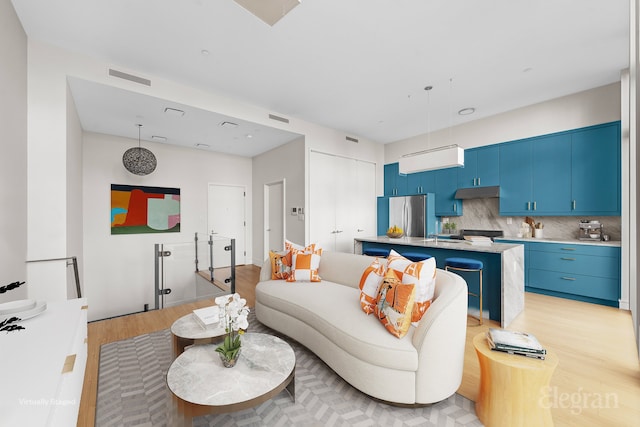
(359, 66)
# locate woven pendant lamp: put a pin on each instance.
(138, 160)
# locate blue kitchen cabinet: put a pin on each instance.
(589, 273)
(481, 167)
(383, 215)
(516, 171)
(446, 184)
(595, 170)
(421, 183)
(535, 176)
(551, 174)
(395, 184)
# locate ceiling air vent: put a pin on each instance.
(229, 125)
(278, 118)
(130, 77)
(349, 138)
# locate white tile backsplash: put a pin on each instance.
(484, 214)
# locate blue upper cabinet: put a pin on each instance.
(446, 184)
(481, 167)
(568, 173)
(595, 170)
(394, 183)
(516, 171)
(551, 175)
(421, 183)
(535, 176)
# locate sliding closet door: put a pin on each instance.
(342, 201)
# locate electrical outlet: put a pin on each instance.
(509, 221)
(294, 211)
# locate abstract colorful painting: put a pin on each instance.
(137, 209)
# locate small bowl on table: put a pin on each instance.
(394, 235)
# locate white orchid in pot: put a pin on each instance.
(233, 315)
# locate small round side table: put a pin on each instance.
(513, 389)
(187, 331)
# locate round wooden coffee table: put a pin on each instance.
(201, 385)
(513, 389)
(188, 331)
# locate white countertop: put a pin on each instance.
(461, 245)
(612, 243)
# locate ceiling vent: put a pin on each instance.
(278, 118)
(174, 112)
(130, 77)
(349, 138)
(228, 125)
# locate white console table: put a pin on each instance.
(42, 367)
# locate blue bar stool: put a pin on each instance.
(381, 252)
(467, 265)
(415, 256)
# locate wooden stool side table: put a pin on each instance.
(513, 388)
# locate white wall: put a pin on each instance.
(74, 194)
(119, 269)
(48, 69)
(282, 163)
(594, 106)
(13, 160)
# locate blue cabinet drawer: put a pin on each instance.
(576, 284)
(572, 263)
(594, 249)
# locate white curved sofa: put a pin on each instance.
(422, 368)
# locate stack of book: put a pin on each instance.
(513, 342)
(207, 317)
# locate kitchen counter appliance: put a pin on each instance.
(590, 230)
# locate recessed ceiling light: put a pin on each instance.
(229, 125)
(467, 111)
(249, 135)
(158, 138)
(205, 52)
(174, 112)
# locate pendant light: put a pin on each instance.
(138, 160)
(431, 158)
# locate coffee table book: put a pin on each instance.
(514, 342)
(207, 317)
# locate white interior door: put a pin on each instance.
(274, 217)
(365, 201)
(226, 218)
(322, 200)
(345, 202)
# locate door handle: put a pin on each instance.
(478, 181)
(573, 205)
(534, 206)
(359, 230)
(571, 279)
(568, 249)
(474, 182)
(567, 259)
(528, 206)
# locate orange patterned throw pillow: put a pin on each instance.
(394, 304)
(370, 284)
(280, 265)
(421, 274)
(304, 266)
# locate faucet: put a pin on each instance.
(433, 236)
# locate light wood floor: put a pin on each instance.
(597, 382)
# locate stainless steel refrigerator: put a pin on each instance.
(415, 214)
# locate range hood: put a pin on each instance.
(478, 192)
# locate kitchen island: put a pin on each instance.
(502, 276)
